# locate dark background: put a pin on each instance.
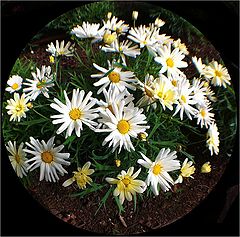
(21, 215)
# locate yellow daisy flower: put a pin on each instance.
(127, 184)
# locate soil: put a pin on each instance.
(154, 212)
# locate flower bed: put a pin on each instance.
(127, 119)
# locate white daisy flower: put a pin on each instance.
(165, 92)
(213, 139)
(115, 77)
(61, 50)
(127, 184)
(158, 170)
(217, 74)
(170, 61)
(115, 25)
(88, 30)
(204, 116)
(74, 113)
(143, 36)
(113, 96)
(17, 107)
(15, 83)
(199, 92)
(181, 46)
(148, 92)
(209, 93)
(18, 158)
(123, 49)
(48, 158)
(187, 170)
(176, 79)
(122, 124)
(198, 64)
(42, 80)
(185, 100)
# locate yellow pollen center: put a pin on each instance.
(17, 158)
(119, 30)
(183, 98)
(75, 114)
(109, 38)
(47, 157)
(218, 73)
(144, 42)
(19, 108)
(169, 62)
(126, 181)
(203, 112)
(14, 86)
(157, 169)
(41, 84)
(123, 126)
(148, 92)
(114, 77)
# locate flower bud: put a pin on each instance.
(118, 163)
(109, 15)
(206, 168)
(134, 15)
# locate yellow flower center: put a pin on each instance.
(41, 84)
(114, 77)
(47, 157)
(157, 169)
(75, 114)
(183, 98)
(168, 96)
(17, 158)
(144, 42)
(206, 84)
(19, 108)
(126, 181)
(203, 112)
(148, 92)
(169, 62)
(218, 73)
(14, 86)
(123, 126)
(174, 83)
(109, 38)
(120, 49)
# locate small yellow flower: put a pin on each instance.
(51, 59)
(134, 15)
(206, 168)
(118, 163)
(108, 38)
(81, 176)
(142, 136)
(127, 185)
(186, 171)
(29, 105)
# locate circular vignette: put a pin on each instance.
(230, 163)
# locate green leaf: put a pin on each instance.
(120, 206)
(104, 199)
